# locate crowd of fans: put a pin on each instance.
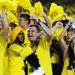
(36, 41)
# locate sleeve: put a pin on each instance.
(16, 48)
(22, 51)
(26, 52)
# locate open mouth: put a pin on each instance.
(30, 35)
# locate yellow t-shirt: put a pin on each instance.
(16, 55)
(43, 54)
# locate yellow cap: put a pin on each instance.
(14, 33)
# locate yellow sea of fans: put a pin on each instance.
(35, 42)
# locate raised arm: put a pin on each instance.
(44, 27)
(58, 24)
(50, 32)
(47, 19)
(63, 44)
(5, 26)
(46, 30)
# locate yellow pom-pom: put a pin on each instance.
(8, 5)
(53, 9)
(50, 20)
(60, 14)
(11, 17)
(56, 12)
(58, 17)
(25, 4)
(60, 10)
(14, 5)
(39, 8)
(32, 11)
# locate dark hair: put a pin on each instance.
(63, 21)
(13, 25)
(25, 16)
(18, 41)
(54, 23)
(71, 29)
(38, 28)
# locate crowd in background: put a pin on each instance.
(34, 40)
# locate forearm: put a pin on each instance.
(65, 54)
(4, 19)
(46, 29)
(64, 47)
(54, 29)
(47, 19)
(22, 51)
(64, 31)
(5, 26)
(26, 52)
